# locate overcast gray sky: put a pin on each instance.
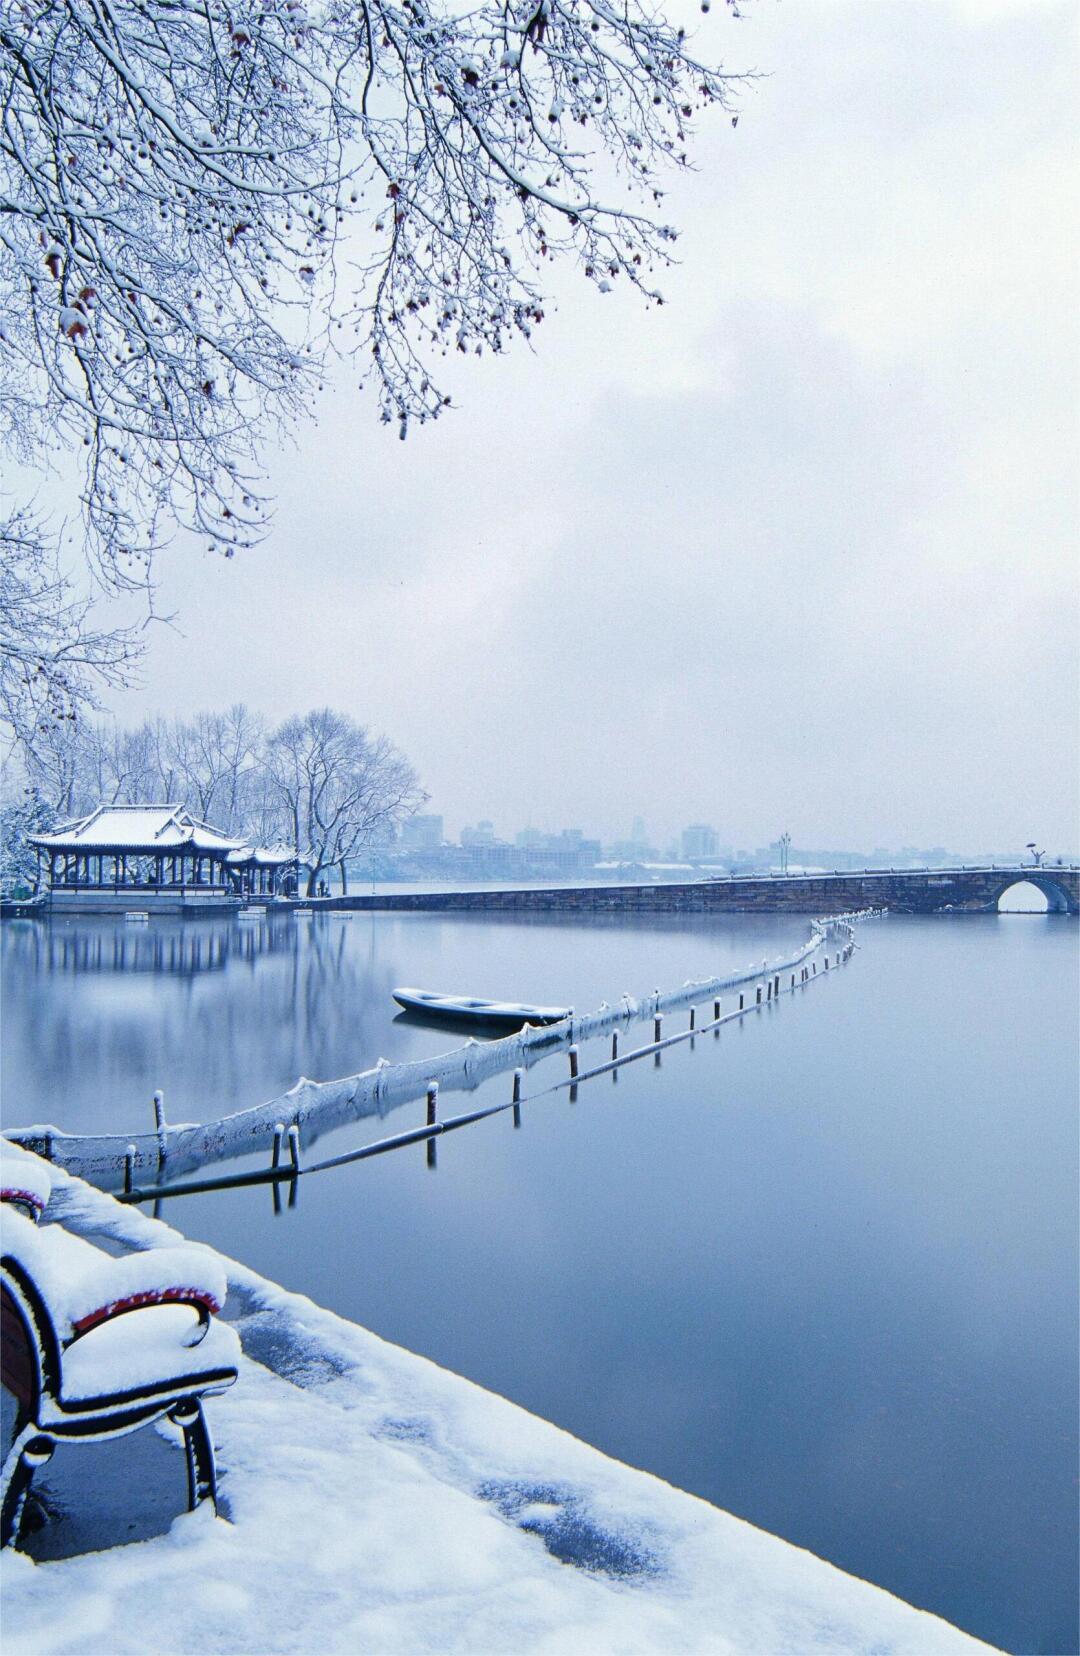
(796, 551)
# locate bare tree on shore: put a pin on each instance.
(213, 757)
(340, 788)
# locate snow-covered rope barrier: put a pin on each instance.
(314, 1108)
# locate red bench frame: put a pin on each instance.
(32, 1365)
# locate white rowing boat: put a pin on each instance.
(471, 1009)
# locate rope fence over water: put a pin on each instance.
(311, 1109)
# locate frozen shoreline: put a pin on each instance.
(381, 1503)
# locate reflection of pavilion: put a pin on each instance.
(159, 858)
(172, 949)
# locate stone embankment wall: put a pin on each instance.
(958, 890)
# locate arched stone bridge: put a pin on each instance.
(905, 891)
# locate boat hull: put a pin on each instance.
(466, 1011)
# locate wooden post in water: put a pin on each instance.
(159, 1123)
(658, 1024)
(432, 1113)
(614, 1045)
(129, 1169)
(715, 1010)
(573, 1056)
(275, 1161)
(692, 1014)
(758, 994)
(292, 1138)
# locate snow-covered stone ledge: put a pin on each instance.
(378, 1503)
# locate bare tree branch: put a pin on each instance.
(53, 660)
(187, 191)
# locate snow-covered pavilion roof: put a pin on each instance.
(149, 828)
(263, 856)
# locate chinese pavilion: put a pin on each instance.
(156, 857)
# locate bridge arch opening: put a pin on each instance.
(1023, 898)
(1037, 893)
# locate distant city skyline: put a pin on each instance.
(693, 842)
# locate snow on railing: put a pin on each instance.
(312, 1108)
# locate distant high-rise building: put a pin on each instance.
(422, 833)
(699, 841)
(482, 834)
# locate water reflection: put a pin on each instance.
(222, 1013)
(821, 1270)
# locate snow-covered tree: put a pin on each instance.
(24, 814)
(210, 762)
(200, 198)
(53, 658)
(338, 788)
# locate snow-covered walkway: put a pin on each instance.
(378, 1503)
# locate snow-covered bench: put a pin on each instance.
(94, 1347)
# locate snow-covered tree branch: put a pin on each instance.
(199, 201)
(338, 788)
(53, 659)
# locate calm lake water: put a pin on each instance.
(820, 1269)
